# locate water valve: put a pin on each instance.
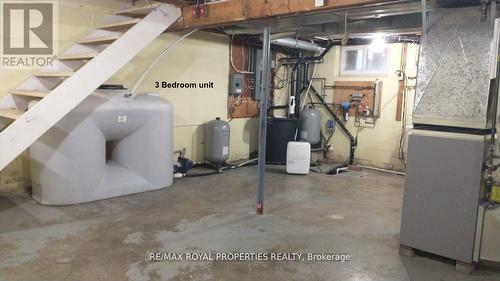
(345, 110)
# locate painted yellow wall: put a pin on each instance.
(202, 57)
(199, 58)
(377, 146)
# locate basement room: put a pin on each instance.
(222, 140)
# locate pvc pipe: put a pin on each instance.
(383, 170)
(138, 83)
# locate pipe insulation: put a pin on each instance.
(297, 44)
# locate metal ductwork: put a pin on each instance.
(297, 44)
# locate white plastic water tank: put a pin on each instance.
(110, 145)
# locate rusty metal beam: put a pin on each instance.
(230, 12)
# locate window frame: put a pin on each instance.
(363, 71)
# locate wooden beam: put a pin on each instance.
(231, 12)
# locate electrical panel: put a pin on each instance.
(236, 84)
(258, 67)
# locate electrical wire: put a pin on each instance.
(231, 57)
(281, 82)
(402, 140)
(138, 83)
(237, 101)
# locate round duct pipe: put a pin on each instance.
(297, 44)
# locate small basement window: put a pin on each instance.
(364, 60)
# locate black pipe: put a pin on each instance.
(220, 170)
(352, 140)
(298, 68)
(298, 88)
(314, 59)
(270, 109)
(293, 84)
(279, 106)
(320, 57)
(201, 174)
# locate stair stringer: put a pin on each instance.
(24, 131)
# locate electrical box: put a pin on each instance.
(236, 84)
(330, 125)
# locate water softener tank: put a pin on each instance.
(280, 131)
(310, 122)
(217, 134)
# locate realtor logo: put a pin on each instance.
(29, 33)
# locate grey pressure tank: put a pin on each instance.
(217, 133)
(310, 123)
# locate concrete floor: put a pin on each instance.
(355, 212)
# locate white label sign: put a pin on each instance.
(122, 118)
(319, 3)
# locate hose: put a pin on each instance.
(201, 174)
(158, 59)
(248, 162)
(218, 171)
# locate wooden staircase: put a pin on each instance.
(79, 71)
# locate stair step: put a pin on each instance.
(87, 56)
(54, 74)
(120, 25)
(28, 93)
(31, 125)
(137, 11)
(10, 113)
(100, 40)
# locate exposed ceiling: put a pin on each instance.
(402, 19)
(328, 23)
(399, 18)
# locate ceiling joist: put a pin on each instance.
(230, 12)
